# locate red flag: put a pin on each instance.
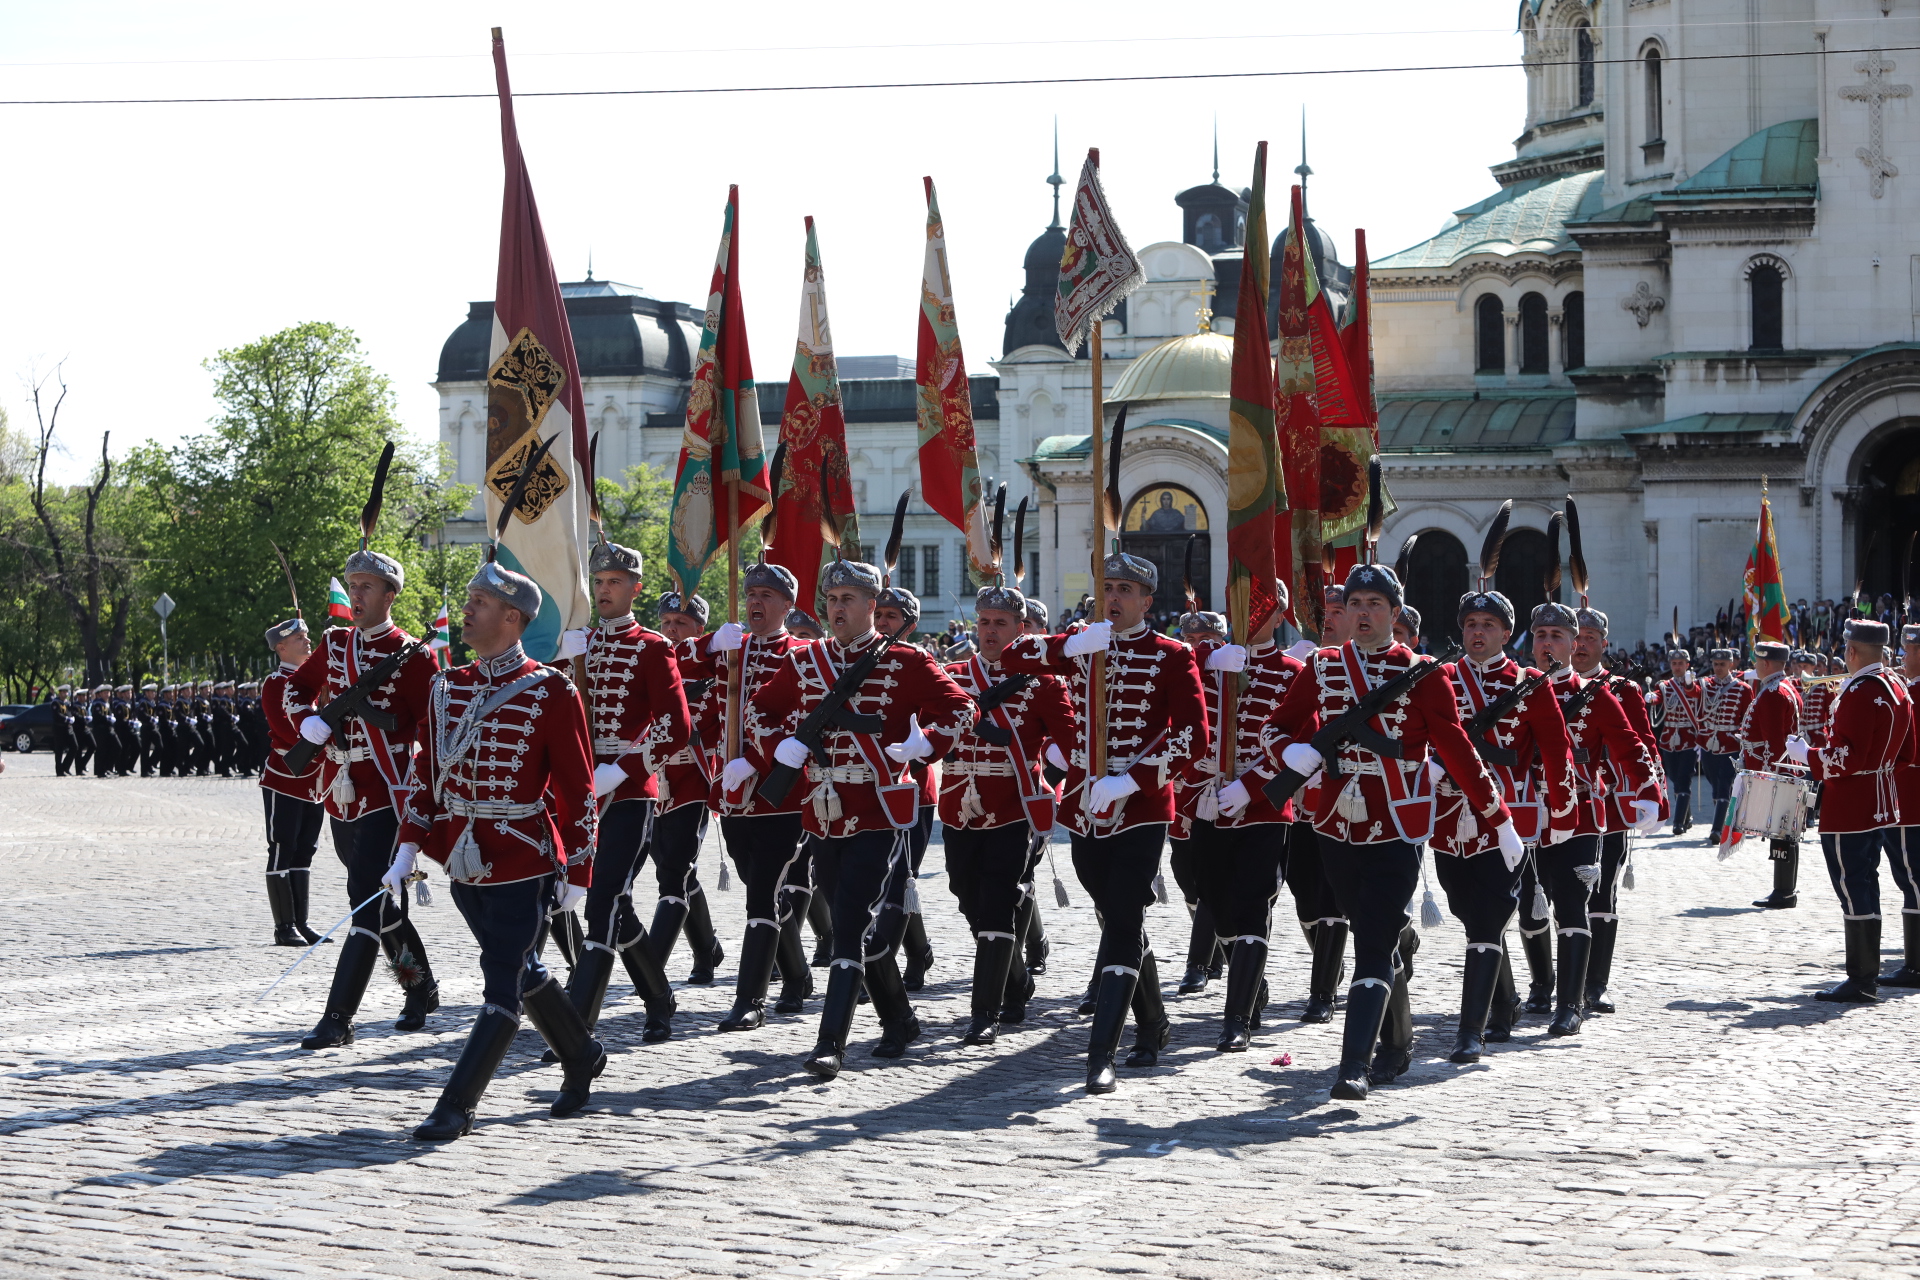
(949, 464)
(1298, 557)
(1765, 587)
(1256, 493)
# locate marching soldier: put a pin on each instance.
(1525, 747)
(365, 775)
(1155, 717)
(253, 730)
(1204, 632)
(1375, 807)
(148, 710)
(1678, 700)
(803, 626)
(680, 817)
(66, 747)
(1816, 697)
(1314, 902)
(292, 800)
(1723, 702)
(505, 803)
(1239, 834)
(1903, 842)
(639, 720)
(106, 743)
(1773, 716)
(1869, 736)
(1031, 928)
(993, 798)
(859, 804)
(896, 607)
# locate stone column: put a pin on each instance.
(1512, 319)
(1556, 353)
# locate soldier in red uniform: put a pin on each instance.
(366, 775)
(763, 840)
(1677, 699)
(896, 608)
(1773, 716)
(1613, 784)
(1155, 718)
(640, 721)
(1723, 702)
(1239, 835)
(857, 800)
(1869, 737)
(1204, 632)
(1816, 695)
(993, 798)
(1031, 928)
(1903, 842)
(294, 811)
(680, 817)
(1531, 759)
(1314, 902)
(505, 805)
(1375, 808)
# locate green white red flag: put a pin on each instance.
(1298, 417)
(1256, 488)
(338, 607)
(1343, 377)
(813, 511)
(1766, 589)
(533, 393)
(1097, 268)
(721, 446)
(949, 464)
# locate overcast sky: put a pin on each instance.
(140, 240)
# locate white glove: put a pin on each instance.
(571, 896)
(735, 774)
(1302, 759)
(1228, 657)
(607, 779)
(1436, 771)
(725, 639)
(1511, 850)
(1302, 649)
(1588, 875)
(1093, 638)
(791, 752)
(573, 644)
(916, 747)
(1234, 797)
(1112, 788)
(1647, 814)
(1797, 749)
(402, 866)
(1056, 757)
(315, 730)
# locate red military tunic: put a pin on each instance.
(1679, 703)
(844, 797)
(1816, 704)
(762, 658)
(1527, 751)
(1610, 764)
(281, 734)
(1773, 715)
(1906, 770)
(983, 785)
(1270, 673)
(640, 716)
(1155, 713)
(1375, 799)
(363, 769)
(1722, 704)
(1868, 738)
(1633, 704)
(509, 794)
(686, 776)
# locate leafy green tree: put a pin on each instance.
(634, 514)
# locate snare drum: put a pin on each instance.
(1773, 805)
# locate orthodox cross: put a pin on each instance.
(1205, 293)
(1875, 93)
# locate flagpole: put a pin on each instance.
(1097, 675)
(735, 660)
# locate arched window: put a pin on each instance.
(1654, 125)
(1766, 290)
(1533, 334)
(1574, 310)
(1436, 579)
(1489, 336)
(1583, 49)
(1522, 575)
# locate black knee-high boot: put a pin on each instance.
(919, 952)
(756, 971)
(1908, 975)
(836, 1021)
(1786, 876)
(1203, 943)
(1600, 965)
(1246, 968)
(1479, 981)
(1366, 1007)
(569, 938)
(796, 979)
(1152, 1028)
(351, 973)
(992, 971)
(650, 983)
(1034, 934)
(820, 920)
(587, 984)
(702, 941)
(407, 955)
(1506, 1002)
(581, 1056)
(298, 881)
(1719, 816)
(280, 902)
(452, 1116)
(1863, 965)
(1538, 948)
(1395, 1053)
(669, 917)
(1323, 979)
(898, 1025)
(1575, 951)
(1113, 995)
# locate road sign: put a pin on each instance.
(163, 606)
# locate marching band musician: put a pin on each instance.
(1531, 758)
(1903, 842)
(1155, 719)
(1375, 807)
(1239, 836)
(860, 804)
(505, 804)
(1772, 716)
(1678, 700)
(1723, 701)
(680, 816)
(1869, 736)
(993, 799)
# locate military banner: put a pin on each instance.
(1256, 490)
(1097, 268)
(949, 465)
(533, 393)
(1298, 421)
(1766, 589)
(1343, 376)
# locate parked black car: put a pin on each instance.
(30, 729)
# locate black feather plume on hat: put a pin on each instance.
(1404, 561)
(1186, 575)
(1376, 504)
(1576, 557)
(370, 514)
(1020, 543)
(535, 456)
(1496, 539)
(1112, 515)
(892, 554)
(1552, 580)
(997, 540)
(774, 474)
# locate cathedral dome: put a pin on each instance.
(1198, 366)
(1031, 321)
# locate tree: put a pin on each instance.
(635, 514)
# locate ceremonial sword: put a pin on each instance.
(417, 875)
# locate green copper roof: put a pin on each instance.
(1527, 217)
(1780, 156)
(1714, 424)
(1439, 423)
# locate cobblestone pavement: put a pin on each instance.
(156, 1121)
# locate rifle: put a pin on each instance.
(832, 710)
(1491, 714)
(986, 730)
(354, 703)
(1353, 724)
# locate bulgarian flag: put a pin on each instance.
(813, 512)
(442, 637)
(533, 394)
(721, 449)
(338, 610)
(1299, 426)
(1256, 489)
(1766, 589)
(949, 465)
